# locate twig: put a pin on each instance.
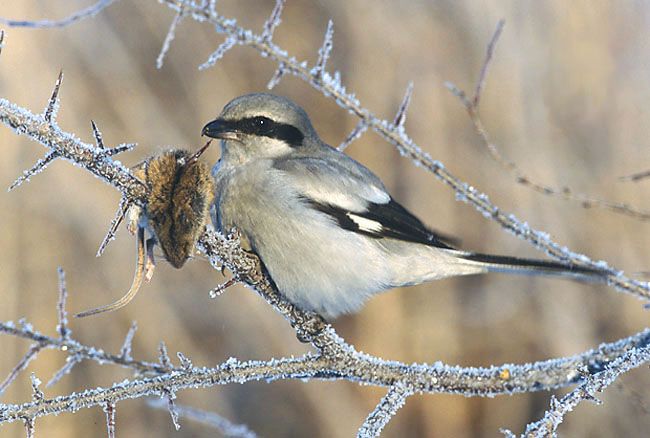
(385, 410)
(62, 326)
(20, 366)
(88, 12)
(223, 425)
(486, 64)
(109, 408)
(547, 426)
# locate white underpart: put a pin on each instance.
(365, 224)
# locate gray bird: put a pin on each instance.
(324, 226)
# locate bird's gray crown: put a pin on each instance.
(284, 113)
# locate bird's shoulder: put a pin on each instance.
(332, 177)
(355, 198)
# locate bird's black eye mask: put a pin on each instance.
(263, 126)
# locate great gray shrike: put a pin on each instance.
(324, 226)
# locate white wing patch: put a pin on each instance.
(364, 224)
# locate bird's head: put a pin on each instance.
(261, 125)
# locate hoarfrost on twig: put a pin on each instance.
(29, 427)
(62, 326)
(125, 351)
(273, 21)
(486, 64)
(357, 132)
(171, 34)
(228, 44)
(385, 410)
(53, 104)
(548, 424)
(70, 363)
(400, 117)
(37, 394)
(223, 425)
(122, 209)
(38, 167)
(109, 409)
(88, 12)
(324, 51)
(20, 366)
(277, 76)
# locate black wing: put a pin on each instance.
(385, 220)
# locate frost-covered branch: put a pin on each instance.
(593, 384)
(331, 86)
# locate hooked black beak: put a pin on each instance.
(220, 128)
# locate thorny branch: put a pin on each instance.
(334, 359)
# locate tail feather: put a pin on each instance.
(516, 265)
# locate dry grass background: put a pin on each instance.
(566, 99)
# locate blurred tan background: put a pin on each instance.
(566, 98)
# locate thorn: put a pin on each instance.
(62, 326)
(37, 393)
(195, 156)
(228, 44)
(486, 64)
(358, 130)
(171, 34)
(20, 366)
(36, 168)
(163, 357)
(125, 351)
(122, 208)
(171, 405)
(217, 291)
(273, 21)
(124, 147)
(186, 363)
(277, 76)
(70, 362)
(50, 111)
(99, 141)
(324, 51)
(400, 117)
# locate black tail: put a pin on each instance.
(515, 265)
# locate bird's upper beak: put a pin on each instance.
(220, 128)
